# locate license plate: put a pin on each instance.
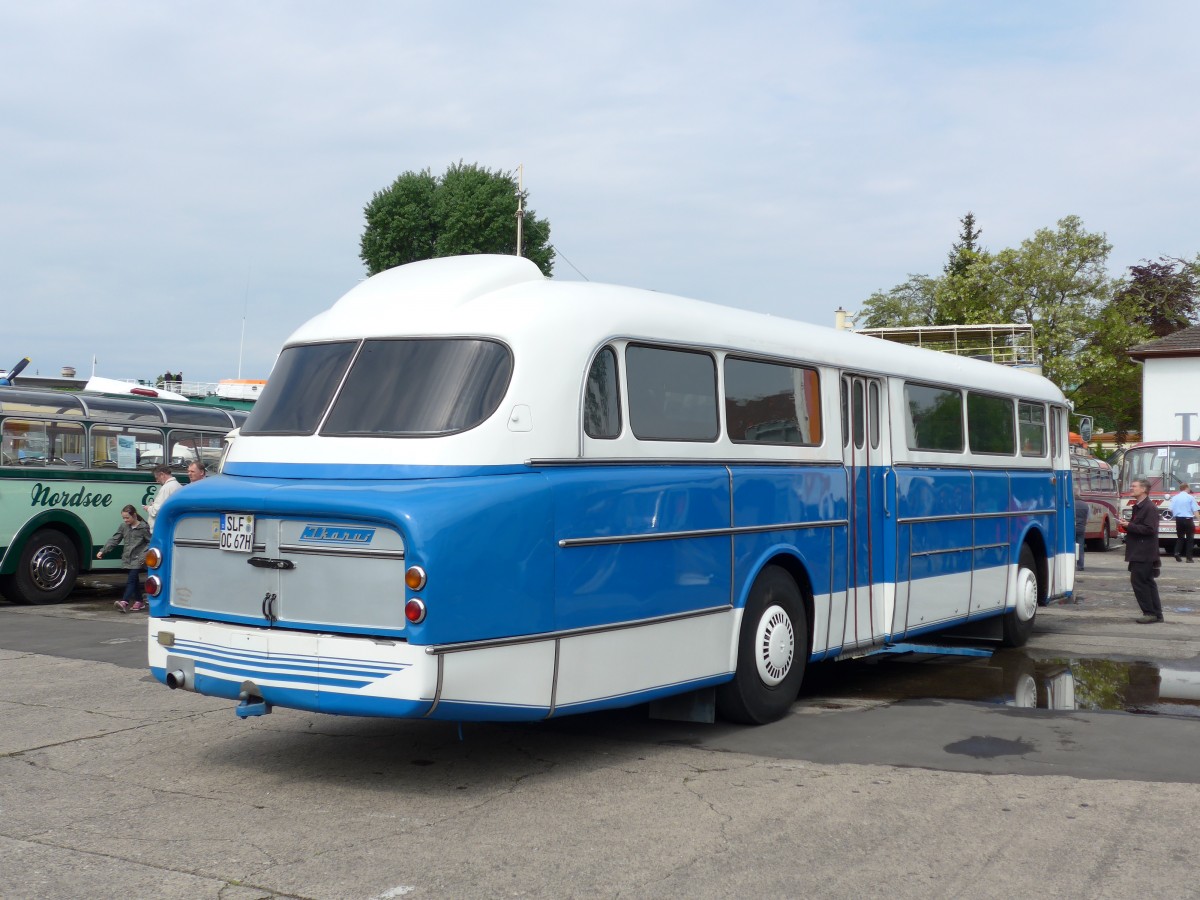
(237, 532)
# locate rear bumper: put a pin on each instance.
(317, 672)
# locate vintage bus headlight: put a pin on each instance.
(415, 578)
(153, 585)
(153, 558)
(414, 611)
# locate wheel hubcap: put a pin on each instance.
(776, 643)
(48, 568)
(1027, 594)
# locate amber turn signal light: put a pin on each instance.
(415, 578)
(153, 558)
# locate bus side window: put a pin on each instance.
(38, 443)
(672, 394)
(121, 447)
(1032, 419)
(187, 446)
(771, 403)
(602, 398)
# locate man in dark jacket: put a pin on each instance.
(1141, 552)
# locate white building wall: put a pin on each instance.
(1171, 399)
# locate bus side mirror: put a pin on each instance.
(1085, 427)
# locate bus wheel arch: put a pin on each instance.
(47, 566)
(773, 646)
(1029, 587)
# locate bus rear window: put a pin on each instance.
(420, 387)
(300, 388)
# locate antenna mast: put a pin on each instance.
(520, 207)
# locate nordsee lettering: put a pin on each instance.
(44, 496)
(325, 534)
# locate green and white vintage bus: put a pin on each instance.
(69, 462)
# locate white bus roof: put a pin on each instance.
(507, 297)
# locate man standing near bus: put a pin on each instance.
(196, 470)
(1183, 508)
(1141, 552)
(167, 485)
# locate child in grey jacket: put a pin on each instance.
(134, 538)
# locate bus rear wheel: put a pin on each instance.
(1104, 542)
(46, 570)
(772, 652)
(1018, 621)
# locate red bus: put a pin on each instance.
(1096, 483)
(1165, 465)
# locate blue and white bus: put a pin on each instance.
(469, 492)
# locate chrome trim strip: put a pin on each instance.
(958, 517)
(679, 461)
(703, 532)
(487, 643)
(437, 691)
(553, 681)
(198, 544)
(334, 551)
(970, 549)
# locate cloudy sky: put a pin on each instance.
(170, 168)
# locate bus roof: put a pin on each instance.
(508, 298)
(125, 410)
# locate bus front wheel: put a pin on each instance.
(772, 652)
(1018, 621)
(46, 570)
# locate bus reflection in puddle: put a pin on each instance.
(1012, 678)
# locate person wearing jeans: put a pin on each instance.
(1183, 508)
(134, 538)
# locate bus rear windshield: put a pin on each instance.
(410, 388)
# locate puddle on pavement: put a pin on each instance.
(1011, 678)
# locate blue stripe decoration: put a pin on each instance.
(248, 664)
(299, 660)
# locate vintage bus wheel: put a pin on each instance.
(1018, 621)
(1104, 542)
(46, 570)
(772, 652)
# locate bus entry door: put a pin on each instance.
(866, 451)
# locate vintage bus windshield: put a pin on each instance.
(394, 388)
(1165, 466)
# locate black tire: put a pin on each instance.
(1103, 543)
(1018, 621)
(772, 652)
(46, 570)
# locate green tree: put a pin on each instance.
(1057, 282)
(467, 210)
(912, 303)
(1154, 300)
(964, 290)
(966, 248)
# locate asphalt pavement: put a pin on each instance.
(885, 781)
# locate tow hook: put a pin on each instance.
(252, 705)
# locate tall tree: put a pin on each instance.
(964, 291)
(966, 248)
(468, 210)
(1057, 282)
